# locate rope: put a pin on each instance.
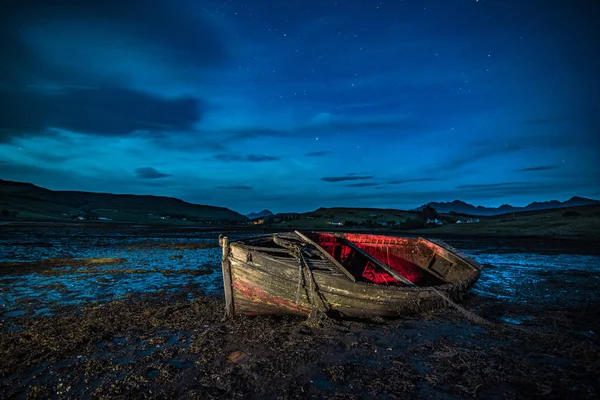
(471, 316)
(309, 281)
(297, 255)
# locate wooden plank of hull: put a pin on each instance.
(257, 292)
(325, 280)
(261, 288)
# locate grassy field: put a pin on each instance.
(574, 222)
(324, 217)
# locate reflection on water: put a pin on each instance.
(533, 275)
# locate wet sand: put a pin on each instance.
(117, 330)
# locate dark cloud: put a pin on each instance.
(260, 158)
(493, 185)
(149, 173)
(247, 133)
(401, 181)
(235, 187)
(349, 177)
(317, 153)
(475, 153)
(549, 190)
(109, 111)
(244, 157)
(49, 89)
(540, 168)
(343, 125)
(362, 184)
(189, 141)
(178, 32)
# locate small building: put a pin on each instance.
(434, 221)
(468, 221)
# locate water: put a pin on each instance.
(535, 274)
(147, 268)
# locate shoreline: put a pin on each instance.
(549, 236)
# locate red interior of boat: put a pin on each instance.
(367, 270)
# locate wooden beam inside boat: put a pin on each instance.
(375, 261)
(327, 255)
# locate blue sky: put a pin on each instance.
(295, 105)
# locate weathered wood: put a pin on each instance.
(259, 293)
(375, 261)
(227, 281)
(327, 255)
(463, 266)
(267, 284)
(267, 249)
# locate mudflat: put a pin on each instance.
(138, 313)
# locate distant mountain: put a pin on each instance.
(27, 201)
(263, 213)
(461, 207)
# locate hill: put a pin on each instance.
(458, 206)
(582, 222)
(25, 201)
(263, 213)
(368, 218)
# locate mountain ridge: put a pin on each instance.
(461, 207)
(29, 201)
(263, 213)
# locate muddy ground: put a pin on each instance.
(170, 341)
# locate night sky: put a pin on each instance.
(293, 105)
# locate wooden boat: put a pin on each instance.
(347, 275)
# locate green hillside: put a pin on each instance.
(582, 222)
(349, 217)
(25, 201)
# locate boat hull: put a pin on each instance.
(265, 284)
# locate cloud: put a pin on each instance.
(244, 158)
(107, 111)
(339, 124)
(401, 181)
(476, 154)
(235, 187)
(149, 173)
(75, 65)
(349, 177)
(493, 185)
(260, 158)
(362, 184)
(540, 168)
(317, 153)
(96, 27)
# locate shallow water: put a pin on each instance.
(147, 268)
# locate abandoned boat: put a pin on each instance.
(342, 274)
